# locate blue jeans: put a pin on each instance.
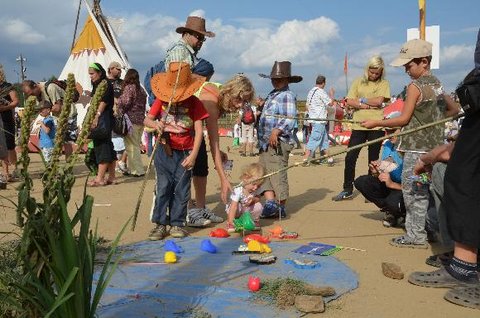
(172, 188)
(318, 138)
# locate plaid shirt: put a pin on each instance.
(278, 102)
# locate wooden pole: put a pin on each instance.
(421, 7)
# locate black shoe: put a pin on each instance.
(344, 195)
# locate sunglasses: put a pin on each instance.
(199, 37)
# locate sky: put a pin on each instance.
(314, 35)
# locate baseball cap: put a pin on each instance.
(116, 65)
(411, 50)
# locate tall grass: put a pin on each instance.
(56, 253)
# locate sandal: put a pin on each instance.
(439, 260)
(464, 296)
(403, 241)
(110, 182)
(94, 183)
(438, 279)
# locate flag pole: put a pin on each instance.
(421, 28)
(345, 71)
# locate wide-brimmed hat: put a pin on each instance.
(411, 50)
(283, 70)
(195, 24)
(163, 84)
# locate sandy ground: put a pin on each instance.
(312, 214)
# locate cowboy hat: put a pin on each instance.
(195, 24)
(166, 87)
(283, 70)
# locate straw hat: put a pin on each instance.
(195, 24)
(283, 70)
(163, 84)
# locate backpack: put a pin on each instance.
(63, 85)
(468, 93)
(248, 117)
(159, 68)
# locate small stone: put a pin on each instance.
(392, 271)
(309, 304)
(324, 291)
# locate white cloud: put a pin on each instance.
(21, 32)
(198, 13)
(455, 53)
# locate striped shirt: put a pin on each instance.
(317, 102)
(278, 102)
(180, 52)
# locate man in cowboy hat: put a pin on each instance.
(193, 36)
(181, 132)
(275, 136)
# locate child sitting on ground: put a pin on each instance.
(245, 198)
(47, 130)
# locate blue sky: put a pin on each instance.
(313, 34)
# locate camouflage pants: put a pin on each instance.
(416, 201)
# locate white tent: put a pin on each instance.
(96, 43)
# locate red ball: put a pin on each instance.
(254, 284)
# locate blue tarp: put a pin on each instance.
(214, 283)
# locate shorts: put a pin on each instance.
(47, 154)
(318, 137)
(247, 134)
(200, 169)
(118, 144)
(273, 160)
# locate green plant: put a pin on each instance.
(57, 266)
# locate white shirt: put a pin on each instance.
(317, 102)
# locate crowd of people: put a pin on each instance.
(423, 184)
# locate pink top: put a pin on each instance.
(132, 102)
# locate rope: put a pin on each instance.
(368, 143)
(76, 25)
(157, 142)
(316, 119)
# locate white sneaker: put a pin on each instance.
(122, 166)
(209, 215)
(195, 218)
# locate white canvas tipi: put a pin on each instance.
(96, 43)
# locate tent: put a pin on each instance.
(98, 43)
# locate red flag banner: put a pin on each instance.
(345, 64)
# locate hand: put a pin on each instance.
(225, 187)
(369, 124)
(273, 141)
(421, 167)
(374, 167)
(385, 177)
(160, 126)
(189, 162)
(250, 200)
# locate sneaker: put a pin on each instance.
(330, 162)
(209, 215)
(270, 209)
(195, 218)
(283, 213)
(122, 166)
(178, 232)
(344, 195)
(158, 233)
(230, 228)
(389, 220)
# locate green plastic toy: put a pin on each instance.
(244, 223)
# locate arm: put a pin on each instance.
(385, 177)
(101, 108)
(189, 161)
(14, 97)
(440, 153)
(413, 97)
(44, 127)
(452, 107)
(232, 211)
(150, 122)
(210, 103)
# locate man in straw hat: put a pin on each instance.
(275, 136)
(181, 132)
(185, 50)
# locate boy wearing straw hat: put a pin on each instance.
(180, 126)
(426, 102)
(275, 138)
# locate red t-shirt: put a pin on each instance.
(180, 119)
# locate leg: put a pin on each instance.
(357, 137)
(132, 145)
(374, 150)
(373, 190)
(164, 167)
(437, 190)
(67, 149)
(200, 187)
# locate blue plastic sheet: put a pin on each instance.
(214, 283)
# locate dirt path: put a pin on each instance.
(315, 217)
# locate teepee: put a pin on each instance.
(96, 43)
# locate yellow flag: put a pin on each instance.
(421, 5)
